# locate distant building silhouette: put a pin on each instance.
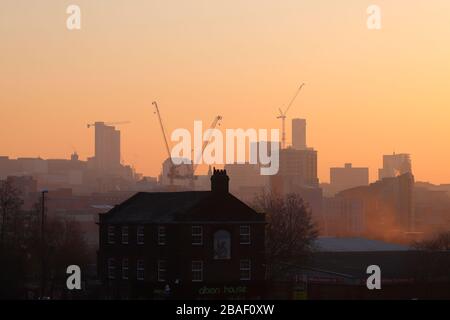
(247, 180)
(297, 168)
(343, 217)
(395, 165)
(107, 147)
(299, 134)
(298, 164)
(176, 175)
(348, 177)
(432, 207)
(101, 173)
(388, 205)
(298, 171)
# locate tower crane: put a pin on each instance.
(108, 123)
(162, 127)
(282, 116)
(172, 166)
(206, 142)
(172, 171)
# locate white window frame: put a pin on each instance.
(140, 235)
(197, 268)
(111, 236)
(195, 234)
(245, 269)
(125, 231)
(125, 268)
(162, 236)
(247, 234)
(111, 268)
(162, 269)
(140, 269)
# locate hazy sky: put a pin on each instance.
(368, 92)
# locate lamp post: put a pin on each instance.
(43, 192)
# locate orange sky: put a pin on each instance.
(368, 93)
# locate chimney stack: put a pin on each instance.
(219, 181)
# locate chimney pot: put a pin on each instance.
(219, 181)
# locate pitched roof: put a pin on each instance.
(166, 207)
(393, 264)
(332, 244)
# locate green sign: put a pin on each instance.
(228, 290)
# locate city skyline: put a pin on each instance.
(368, 93)
(289, 146)
(226, 154)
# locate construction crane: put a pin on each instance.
(282, 116)
(108, 123)
(172, 171)
(162, 128)
(206, 142)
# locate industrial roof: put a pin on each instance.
(332, 244)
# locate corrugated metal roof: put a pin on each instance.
(331, 244)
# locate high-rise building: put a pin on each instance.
(298, 171)
(299, 134)
(298, 174)
(395, 165)
(248, 182)
(299, 167)
(107, 147)
(348, 177)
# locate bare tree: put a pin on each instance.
(22, 255)
(432, 258)
(10, 203)
(64, 246)
(440, 242)
(12, 261)
(290, 231)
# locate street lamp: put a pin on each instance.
(43, 192)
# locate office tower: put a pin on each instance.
(348, 177)
(298, 171)
(299, 134)
(395, 165)
(107, 147)
(247, 181)
(298, 174)
(299, 167)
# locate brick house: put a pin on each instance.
(195, 244)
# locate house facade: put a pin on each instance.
(173, 245)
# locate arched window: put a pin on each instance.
(222, 245)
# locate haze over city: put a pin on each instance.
(367, 93)
(210, 151)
